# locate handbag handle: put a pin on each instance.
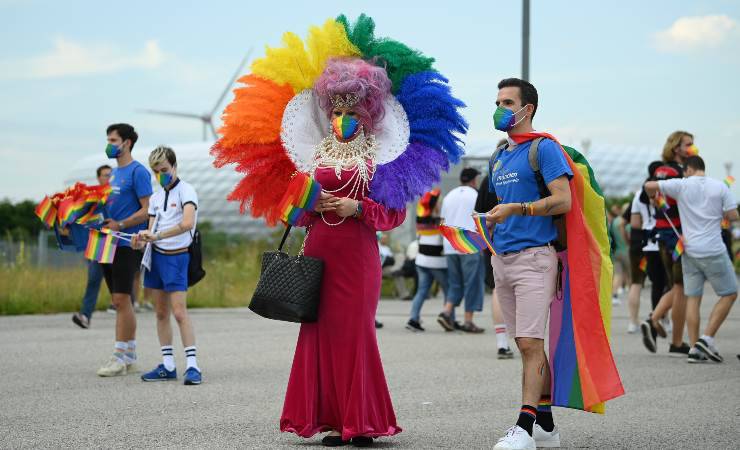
(285, 237)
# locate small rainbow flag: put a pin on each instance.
(480, 225)
(661, 202)
(46, 211)
(302, 195)
(678, 249)
(462, 240)
(101, 247)
(729, 180)
(643, 264)
(692, 150)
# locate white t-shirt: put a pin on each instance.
(430, 252)
(702, 202)
(168, 205)
(457, 209)
(647, 215)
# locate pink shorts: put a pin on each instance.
(525, 286)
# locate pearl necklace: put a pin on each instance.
(357, 155)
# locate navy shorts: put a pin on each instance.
(169, 272)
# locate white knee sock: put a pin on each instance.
(501, 339)
(190, 356)
(168, 359)
(130, 356)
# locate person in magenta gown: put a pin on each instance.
(337, 383)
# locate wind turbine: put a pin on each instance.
(207, 117)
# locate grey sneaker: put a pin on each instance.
(113, 368)
(696, 357)
(545, 439)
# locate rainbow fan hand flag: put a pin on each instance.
(729, 180)
(678, 249)
(101, 247)
(301, 197)
(462, 240)
(584, 374)
(480, 225)
(46, 211)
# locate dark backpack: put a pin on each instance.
(195, 266)
(561, 242)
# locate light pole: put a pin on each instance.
(525, 40)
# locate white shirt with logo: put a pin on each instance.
(647, 215)
(168, 206)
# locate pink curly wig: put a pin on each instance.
(355, 76)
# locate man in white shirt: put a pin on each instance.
(464, 272)
(702, 204)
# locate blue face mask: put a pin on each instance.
(504, 119)
(112, 151)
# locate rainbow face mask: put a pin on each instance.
(344, 127)
(504, 119)
(112, 151)
(164, 179)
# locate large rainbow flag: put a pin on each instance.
(584, 374)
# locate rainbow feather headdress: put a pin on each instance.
(584, 375)
(273, 125)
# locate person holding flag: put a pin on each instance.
(535, 180)
(703, 202)
(126, 209)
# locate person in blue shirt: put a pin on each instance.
(525, 267)
(126, 211)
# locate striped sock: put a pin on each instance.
(501, 340)
(190, 356)
(527, 415)
(119, 350)
(544, 414)
(168, 359)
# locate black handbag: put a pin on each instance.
(195, 266)
(289, 286)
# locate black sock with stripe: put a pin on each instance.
(527, 416)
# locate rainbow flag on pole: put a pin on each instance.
(101, 247)
(302, 195)
(462, 240)
(46, 211)
(480, 225)
(661, 202)
(678, 249)
(729, 180)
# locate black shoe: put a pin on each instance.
(407, 298)
(456, 325)
(648, 335)
(362, 441)
(445, 322)
(708, 351)
(697, 357)
(680, 351)
(81, 320)
(378, 324)
(505, 353)
(333, 441)
(414, 325)
(472, 328)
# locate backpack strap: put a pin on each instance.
(493, 160)
(534, 163)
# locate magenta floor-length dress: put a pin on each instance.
(337, 380)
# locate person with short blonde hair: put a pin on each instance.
(173, 214)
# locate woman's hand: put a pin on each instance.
(346, 207)
(146, 236)
(327, 202)
(137, 243)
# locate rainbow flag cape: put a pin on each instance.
(301, 197)
(584, 374)
(480, 225)
(46, 211)
(101, 247)
(678, 249)
(462, 240)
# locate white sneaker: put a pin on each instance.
(616, 301)
(113, 368)
(667, 324)
(545, 439)
(516, 438)
(633, 328)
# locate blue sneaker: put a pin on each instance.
(160, 374)
(192, 376)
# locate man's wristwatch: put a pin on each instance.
(358, 211)
(120, 225)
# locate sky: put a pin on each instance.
(627, 72)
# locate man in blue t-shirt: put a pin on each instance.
(525, 266)
(126, 211)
